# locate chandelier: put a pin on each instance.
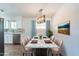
(41, 17)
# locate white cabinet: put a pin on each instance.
(8, 37)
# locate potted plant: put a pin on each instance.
(40, 36)
(49, 33)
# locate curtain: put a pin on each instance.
(33, 30)
(47, 25)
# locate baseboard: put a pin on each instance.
(16, 43)
(12, 44)
(8, 43)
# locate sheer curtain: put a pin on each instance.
(47, 25)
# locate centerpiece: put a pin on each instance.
(40, 36)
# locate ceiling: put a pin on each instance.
(30, 9)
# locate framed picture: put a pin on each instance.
(64, 28)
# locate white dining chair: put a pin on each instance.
(52, 38)
(27, 51)
(29, 38)
(57, 50)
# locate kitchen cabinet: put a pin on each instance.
(16, 38)
(8, 37)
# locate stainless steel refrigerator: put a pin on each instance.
(1, 36)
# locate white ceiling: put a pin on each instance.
(29, 9)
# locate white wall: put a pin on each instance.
(18, 20)
(71, 42)
(26, 24)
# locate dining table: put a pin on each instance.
(41, 45)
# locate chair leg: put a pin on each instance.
(27, 54)
(60, 54)
(33, 52)
(49, 53)
(23, 54)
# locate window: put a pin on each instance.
(6, 24)
(9, 24)
(13, 25)
(41, 26)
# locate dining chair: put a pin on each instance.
(29, 38)
(57, 50)
(27, 51)
(52, 38)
